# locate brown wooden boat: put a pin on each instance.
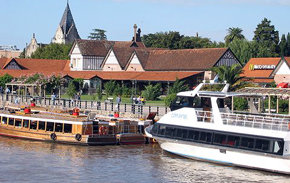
(50, 126)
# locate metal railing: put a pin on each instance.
(84, 104)
(270, 122)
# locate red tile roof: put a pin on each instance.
(183, 59)
(259, 61)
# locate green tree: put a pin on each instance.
(234, 33)
(98, 34)
(53, 51)
(243, 49)
(71, 89)
(109, 87)
(267, 38)
(230, 74)
(174, 40)
(6, 78)
(283, 46)
(151, 92)
(288, 45)
(178, 86)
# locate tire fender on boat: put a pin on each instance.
(78, 137)
(53, 136)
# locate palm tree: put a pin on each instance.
(234, 33)
(230, 74)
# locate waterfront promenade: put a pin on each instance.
(135, 109)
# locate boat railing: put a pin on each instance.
(204, 116)
(278, 123)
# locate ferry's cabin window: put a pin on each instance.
(58, 127)
(67, 128)
(25, 123)
(49, 126)
(247, 143)
(33, 125)
(4, 120)
(252, 143)
(11, 121)
(18, 122)
(41, 125)
(205, 137)
(220, 139)
(233, 140)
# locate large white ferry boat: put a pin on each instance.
(201, 126)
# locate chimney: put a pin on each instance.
(135, 32)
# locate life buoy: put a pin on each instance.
(78, 137)
(53, 136)
(103, 130)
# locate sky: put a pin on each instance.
(210, 18)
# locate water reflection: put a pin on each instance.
(31, 161)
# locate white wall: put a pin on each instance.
(111, 63)
(77, 58)
(284, 69)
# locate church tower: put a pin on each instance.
(66, 31)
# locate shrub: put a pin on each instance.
(109, 87)
(152, 92)
(71, 90)
(169, 99)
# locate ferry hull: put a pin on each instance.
(40, 135)
(226, 156)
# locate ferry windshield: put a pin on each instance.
(194, 102)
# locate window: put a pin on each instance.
(154, 129)
(49, 126)
(169, 131)
(247, 143)
(205, 137)
(11, 121)
(41, 125)
(25, 123)
(233, 140)
(181, 133)
(33, 125)
(262, 145)
(67, 128)
(161, 130)
(58, 127)
(18, 122)
(193, 135)
(220, 139)
(4, 120)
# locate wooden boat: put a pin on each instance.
(42, 124)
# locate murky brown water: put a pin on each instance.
(31, 161)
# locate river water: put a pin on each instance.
(33, 161)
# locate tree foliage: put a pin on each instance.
(53, 51)
(98, 34)
(6, 78)
(109, 87)
(151, 92)
(178, 86)
(174, 40)
(233, 34)
(71, 89)
(267, 38)
(230, 74)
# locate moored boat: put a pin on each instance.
(55, 127)
(201, 126)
